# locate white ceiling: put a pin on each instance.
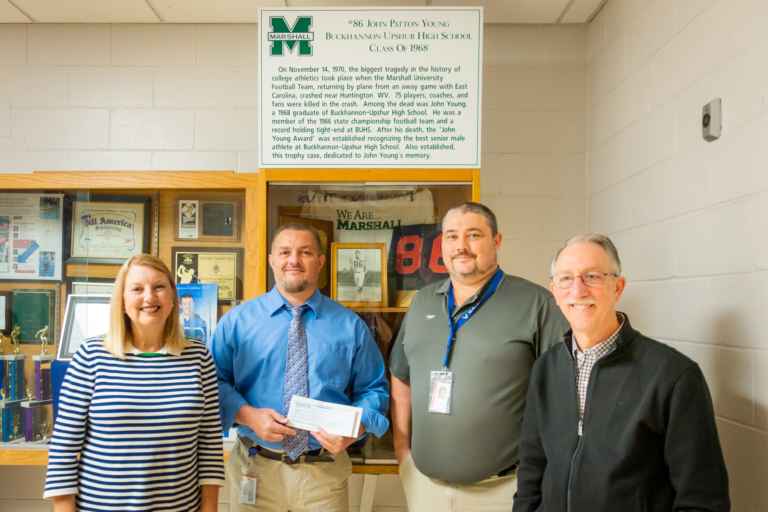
(245, 11)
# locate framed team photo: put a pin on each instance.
(359, 274)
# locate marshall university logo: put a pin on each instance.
(297, 37)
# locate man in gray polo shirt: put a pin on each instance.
(459, 386)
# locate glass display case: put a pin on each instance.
(63, 236)
(381, 236)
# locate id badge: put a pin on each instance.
(248, 489)
(440, 390)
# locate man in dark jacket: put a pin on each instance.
(614, 421)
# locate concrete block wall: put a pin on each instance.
(688, 216)
(534, 140)
(183, 97)
(128, 97)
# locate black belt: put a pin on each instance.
(505, 472)
(307, 457)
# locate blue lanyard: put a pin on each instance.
(464, 317)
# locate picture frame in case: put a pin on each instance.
(359, 274)
(208, 220)
(109, 229)
(222, 266)
(86, 316)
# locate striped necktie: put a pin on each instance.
(296, 379)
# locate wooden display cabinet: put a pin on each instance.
(257, 194)
(164, 190)
(368, 208)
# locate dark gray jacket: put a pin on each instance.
(650, 442)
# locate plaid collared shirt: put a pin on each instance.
(586, 360)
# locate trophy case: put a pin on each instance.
(64, 236)
(381, 235)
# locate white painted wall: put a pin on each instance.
(690, 217)
(183, 97)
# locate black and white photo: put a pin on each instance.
(359, 274)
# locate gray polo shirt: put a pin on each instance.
(491, 363)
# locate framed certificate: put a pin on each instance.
(31, 236)
(109, 229)
(222, 266)
(86, 316)
(359, 274)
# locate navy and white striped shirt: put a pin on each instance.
(146, 430)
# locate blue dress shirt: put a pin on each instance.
(345, 365)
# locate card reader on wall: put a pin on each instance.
(712, 120)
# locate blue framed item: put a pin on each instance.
(11, 421)
(12, 376)
(198, 304)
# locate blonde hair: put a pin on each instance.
(119, 333)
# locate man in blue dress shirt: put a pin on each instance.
(250, 348)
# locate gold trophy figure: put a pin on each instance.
(3, 341)
(15, 339)
(42, 335)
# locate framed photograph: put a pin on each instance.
(86, 316)
(90, 286)
(187, 219)
(198, 305)
(32, 310)
(359, 274)
(325, 229)
(210, 220)
(31, 236)
(222, 266)
(109, 229)
(5, 313)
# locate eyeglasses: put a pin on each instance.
(591, 279)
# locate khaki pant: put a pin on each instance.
(426, 495)
(319, 486)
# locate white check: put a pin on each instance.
(309, 414)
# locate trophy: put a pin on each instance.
(42, 367)
(4, 340)
(15, 333)
(37, 416)
(10, 420)
(42, 335)
(13, 369)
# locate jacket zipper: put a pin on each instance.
(577, 450)
(571, 472)
(588, 402)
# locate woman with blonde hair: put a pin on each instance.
(138, 426)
